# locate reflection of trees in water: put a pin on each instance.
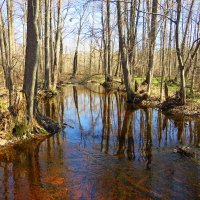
(163, 131)
(131, 133)
(110, 122)
(141, 134)
(21, 171)
(126, 131)
(160, 128)
(106, 110)
(76, 103)
(24, 169)
(197, 134)
(148, 137)
(105, 123)
(5, 184)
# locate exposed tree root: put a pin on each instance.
(48, 124)
(186, 151)
(47, 94)
(170, 103)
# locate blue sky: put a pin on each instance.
(92, 16)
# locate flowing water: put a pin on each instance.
(108, 150)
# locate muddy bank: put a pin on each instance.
(7, 144)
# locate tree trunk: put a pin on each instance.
(163, 55)
(180, 59)
(105, 64)
(57, 46)
(152, 41)
(3, 51)
(47, 78)
(24, 33)
(10, 49)
(31, 61)
(109, 39)
(124, 54)
(75, 62)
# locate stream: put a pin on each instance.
(107, 150)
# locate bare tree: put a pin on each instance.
(124, 53)
(6, 57)
(80, 27)
(109, 39)
(180, 49)
(31, 61)
(47, 80)
(152, 41)
(57, 46)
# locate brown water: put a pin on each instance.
(108, 151)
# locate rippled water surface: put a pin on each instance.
(108, 150)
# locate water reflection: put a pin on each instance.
(102, 121)
(109, 151)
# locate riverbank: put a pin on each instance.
(170, 107)
(13, 129)
(13, 132)
(9, 143)
(103, 155)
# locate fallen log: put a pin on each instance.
(48, 124)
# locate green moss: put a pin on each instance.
(3, 105)
(98, 78)
(40, 130)
(20, 130)
(52, 91)
(194, 96)
(43, 131)
(156, 80)
(173, 87)
(9, 136)
(139, 79)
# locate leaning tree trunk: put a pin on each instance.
(31, 61)
(75, 62)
